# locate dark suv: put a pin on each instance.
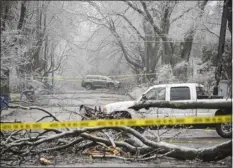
(98, 81)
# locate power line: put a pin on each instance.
(135, 41)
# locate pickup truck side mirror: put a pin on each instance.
(215, 90)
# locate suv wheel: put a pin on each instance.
(88, 86)
(224, 129)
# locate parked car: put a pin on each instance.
(98, 81)
(184, 92)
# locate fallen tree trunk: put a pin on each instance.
(200, 104)
(217, 152)
(15, 144)
(214, 153)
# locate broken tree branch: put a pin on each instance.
(164, 149)
(100, 140)
(33, 108)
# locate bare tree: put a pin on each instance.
(26, 37)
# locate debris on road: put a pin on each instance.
(44, 161)
(123, 143)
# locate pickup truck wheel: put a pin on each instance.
(88, 86)
(126, 115)
(224, 129)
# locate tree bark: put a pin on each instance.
(202, 104)
(229, 15)
(5, 6)
(167, 57)
(112, 29)
(151, 45)
(168, 49)
(147, 44)
(218, 73)
(187, 45)
(22, 15)
(38, 42)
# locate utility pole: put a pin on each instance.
(221, 46)
(229, 15)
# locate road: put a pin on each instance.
(66, 107)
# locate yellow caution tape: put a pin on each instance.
(117, 122)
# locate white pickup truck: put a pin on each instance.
(184, 92)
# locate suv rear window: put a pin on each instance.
(180, 93)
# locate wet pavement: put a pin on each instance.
(66, 107)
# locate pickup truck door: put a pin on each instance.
(157, 93)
